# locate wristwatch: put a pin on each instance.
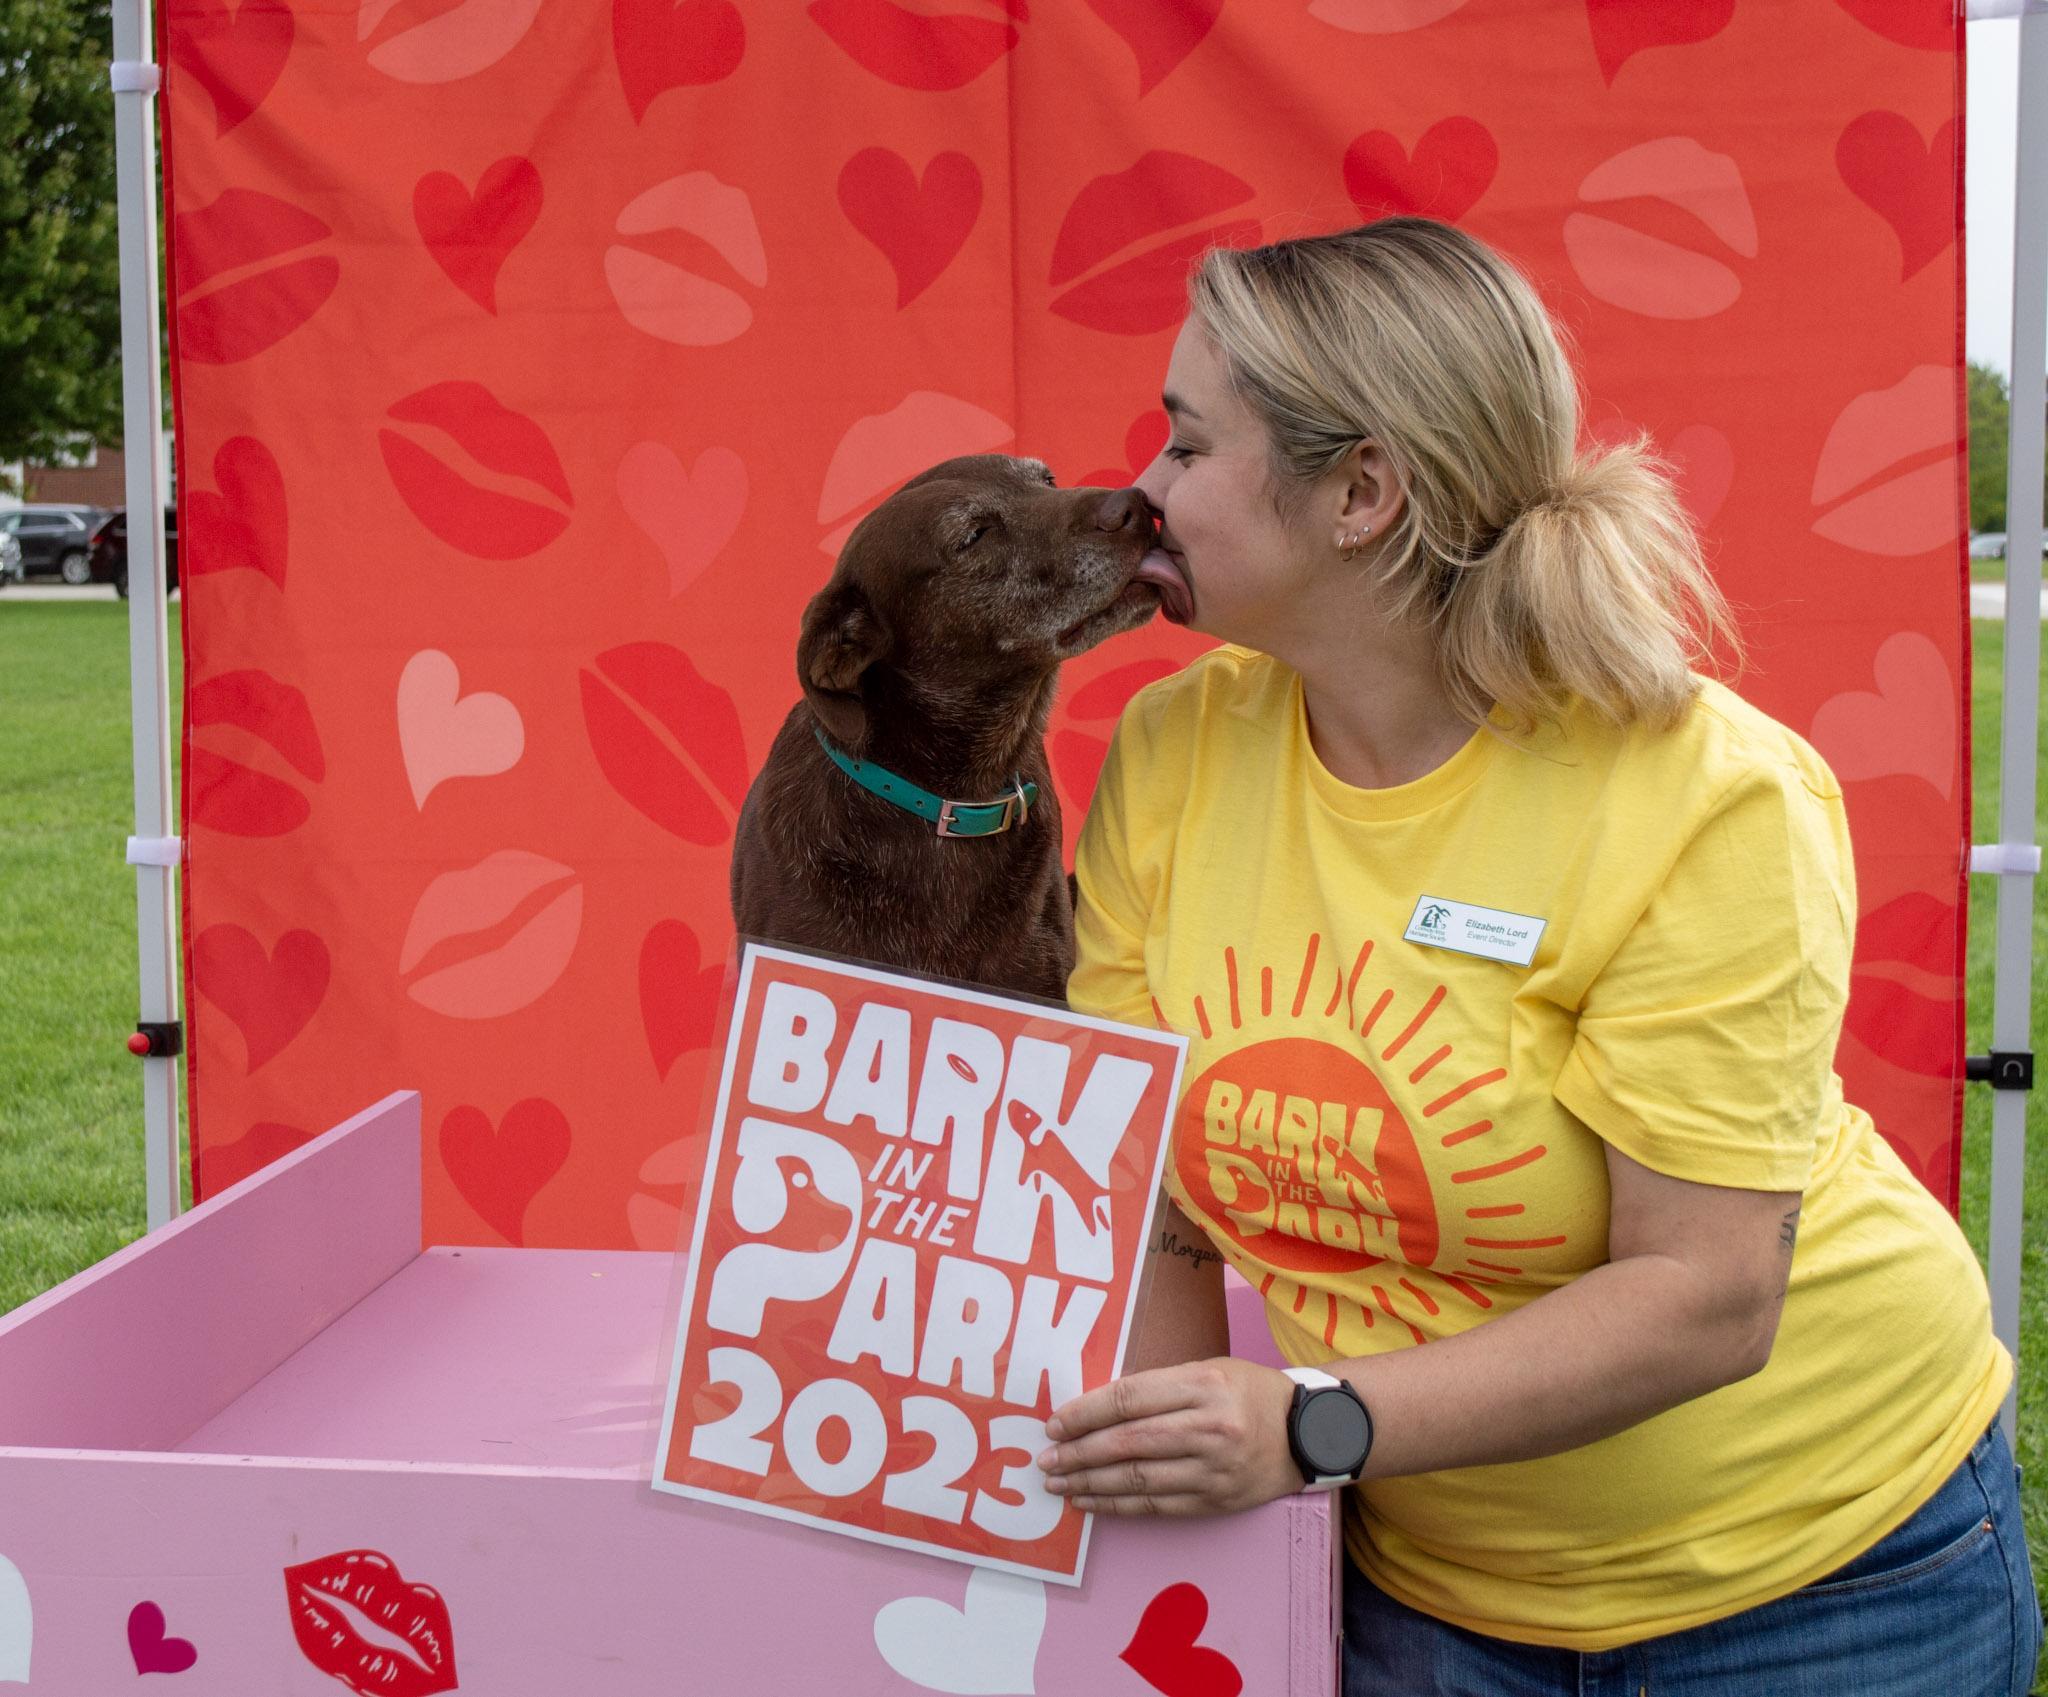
(1329, 1431)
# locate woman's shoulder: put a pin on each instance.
(1720, 742)
(1224, 683)
(1736, 740)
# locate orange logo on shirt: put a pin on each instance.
(1303, 1148)
(1296, 1148)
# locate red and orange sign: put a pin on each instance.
(917, 1235)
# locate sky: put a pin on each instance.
(1992, 50)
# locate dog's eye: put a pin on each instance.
(1051, 482)
(981, 529)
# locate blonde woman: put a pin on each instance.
(1513, 951)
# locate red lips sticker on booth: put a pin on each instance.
(1161, 192)
(278, 287)
(456, 502)
(357, 1618)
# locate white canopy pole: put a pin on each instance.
(2015, 858)
(153, 850)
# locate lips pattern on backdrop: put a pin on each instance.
(531, 363)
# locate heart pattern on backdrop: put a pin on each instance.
(1160, 36)
(919, 226)
(679, 998)
(235, 56)
(501, 1168)
(571, 344)
(270, 996)
(689, 515)
(660, 45)
(1624, 28)
(472, 235)
(444, 734)
(243, 523)
(1906, 727)
(1908, 183)
(1453, 164)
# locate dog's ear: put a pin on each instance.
(842, 637)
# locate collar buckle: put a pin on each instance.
(1016, 808)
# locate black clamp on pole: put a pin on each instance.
(153, 1041)
(2002, 1069)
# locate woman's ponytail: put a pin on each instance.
(1594, 592)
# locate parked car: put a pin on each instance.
(10, 560)
(55, 537)
(110, 551)
(1990, 545)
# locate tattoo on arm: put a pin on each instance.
(1788, 1228)
(1170, 1243)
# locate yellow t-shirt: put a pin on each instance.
(1415, 1013)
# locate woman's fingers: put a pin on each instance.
(1175, 1477)
(1160, 1436)
(1135, 1505)
(1135, 1397)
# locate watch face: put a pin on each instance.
(1334, 1432)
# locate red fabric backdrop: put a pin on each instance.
(531, 361)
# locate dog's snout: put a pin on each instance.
(1124, 509)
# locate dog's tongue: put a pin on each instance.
(1176, 600)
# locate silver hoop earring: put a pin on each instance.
(1353, 540)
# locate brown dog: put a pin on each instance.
(931, 657)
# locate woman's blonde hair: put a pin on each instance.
(1548, 574)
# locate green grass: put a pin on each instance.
(1986, 671)
(71, 1186)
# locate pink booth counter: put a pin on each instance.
(278, 1444)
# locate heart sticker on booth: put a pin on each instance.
(1163, 1651)
(17, 1624)
(154, 1649)
(989, 1645)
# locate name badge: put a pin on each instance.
(1490, 932)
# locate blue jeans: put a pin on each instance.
(1943, 1606)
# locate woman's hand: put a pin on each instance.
(1207, 1437)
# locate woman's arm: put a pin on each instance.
(1687, 1302)
(1181, 1312)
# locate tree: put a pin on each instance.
(1990, 406)
(60, 289)
(1990, 448)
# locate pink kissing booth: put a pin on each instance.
(277, 1441)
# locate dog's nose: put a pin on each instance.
(1124, 509)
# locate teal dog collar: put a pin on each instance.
(953, 818)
